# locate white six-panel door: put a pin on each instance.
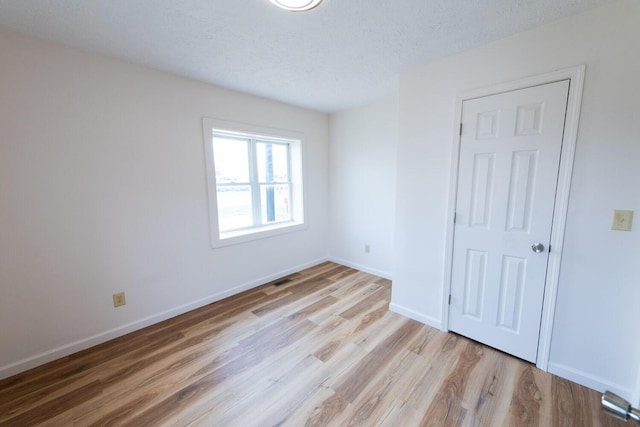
(509, 157)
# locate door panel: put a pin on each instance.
(524, 165)
(482, 187)
(508, 168)
(476, 265)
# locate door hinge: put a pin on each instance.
(460, 129)
(454, 217)
(549, 248)
(449, 299)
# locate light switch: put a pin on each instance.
(622, 220)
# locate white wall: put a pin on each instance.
(102, 189)
(362, 186)
(595, 332)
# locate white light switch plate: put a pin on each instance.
(622, 220)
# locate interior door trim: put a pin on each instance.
(576, 77)
(636, 396)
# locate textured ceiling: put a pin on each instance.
(343, 54)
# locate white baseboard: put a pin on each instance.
(412, 314)
(76, 346)
(588, 380)
(375, 272)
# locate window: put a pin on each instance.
(254, 177)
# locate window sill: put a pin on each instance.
(241, 236)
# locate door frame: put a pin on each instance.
(576, 77)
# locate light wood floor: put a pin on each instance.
(321, 349)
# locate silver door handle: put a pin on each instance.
(537, 248)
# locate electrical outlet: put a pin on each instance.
(367, 248)
(622, 220)
(118, 299)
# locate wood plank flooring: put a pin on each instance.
(321, 349)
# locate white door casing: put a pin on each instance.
(510, 148)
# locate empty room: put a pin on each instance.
(319, 213)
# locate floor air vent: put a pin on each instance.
(281, 282)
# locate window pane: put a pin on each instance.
(275, 203)
(273, 162)
(231, 160)
(234, 207)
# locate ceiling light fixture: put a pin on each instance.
(296, 5)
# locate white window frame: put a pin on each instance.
(259, 134)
